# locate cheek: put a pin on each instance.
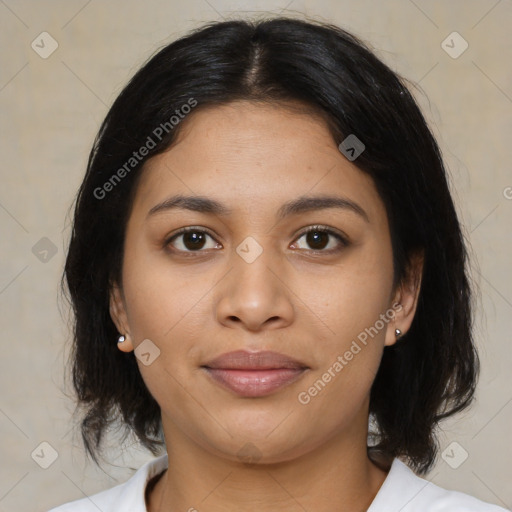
(351, 295)
(351, 302)
(163, 298)
(169, 309)
(333, 394)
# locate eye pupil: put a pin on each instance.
(196, 239)
(313, 239)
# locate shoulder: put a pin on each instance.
(105, 501)
(126, 496)
(405, 491)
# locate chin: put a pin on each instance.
(253, 446)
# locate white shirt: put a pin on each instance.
(402, 491)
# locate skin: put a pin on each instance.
(196, 305)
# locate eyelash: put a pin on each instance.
(323, 229)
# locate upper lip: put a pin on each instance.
(263, 360)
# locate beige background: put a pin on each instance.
(51, 110)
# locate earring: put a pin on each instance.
(398, 333)
(121, 339)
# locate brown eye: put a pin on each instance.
(192, 240)
(318, 238)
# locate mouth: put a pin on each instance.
(254, 374)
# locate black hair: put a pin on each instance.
(427, 376)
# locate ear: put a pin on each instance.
(119, 317)
(405, 298)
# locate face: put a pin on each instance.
(251, 278)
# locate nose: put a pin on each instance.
(255, 295)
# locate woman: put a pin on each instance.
(269, 279)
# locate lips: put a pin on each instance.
(254, 374)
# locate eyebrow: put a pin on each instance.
(300, 205)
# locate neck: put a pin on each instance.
(338, 475)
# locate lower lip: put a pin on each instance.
(253, 383)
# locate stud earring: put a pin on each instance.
(121, 339)
(398, 333)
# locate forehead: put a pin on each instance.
(253, 155)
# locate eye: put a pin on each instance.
(192, 240)
(317, 237)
